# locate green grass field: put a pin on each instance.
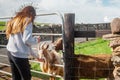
(2, 28)
(2, 25)
(98, 46)
(2, 22)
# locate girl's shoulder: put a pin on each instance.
(29, 26)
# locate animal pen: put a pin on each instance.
(72, 69)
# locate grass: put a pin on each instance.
(98, 46)
(36, 67)
(2, 28)
(2, 25)
(2, 22)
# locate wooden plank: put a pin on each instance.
(97, 33)
(100, 33)
(85, 34)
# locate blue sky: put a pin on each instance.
(86, 11)
(106, 3)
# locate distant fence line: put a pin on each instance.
(56, 29)
(78, 27)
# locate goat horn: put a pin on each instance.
(45, 46)
(42, 45)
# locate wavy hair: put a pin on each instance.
(19, 22)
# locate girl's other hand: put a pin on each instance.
(38, 39)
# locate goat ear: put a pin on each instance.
(42, 45)
(46, 46)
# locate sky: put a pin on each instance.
(86, 11)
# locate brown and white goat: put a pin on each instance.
(50, 57)
(58, 44)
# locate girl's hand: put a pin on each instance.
(38, 39)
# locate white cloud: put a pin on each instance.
(106, 19)
(99, 2)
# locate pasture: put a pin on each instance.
(97, 46)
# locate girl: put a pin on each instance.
(19, 35)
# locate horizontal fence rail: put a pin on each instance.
(96, 33)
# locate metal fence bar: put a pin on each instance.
(41, 62)
(4, 46)
(8, 73)
(41, 14)
(3, 56)
(46, 74)
(46, 34)
(4, 64)
(43, 34)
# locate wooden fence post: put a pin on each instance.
(52, 31)
(69, 66)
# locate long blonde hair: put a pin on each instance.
(19, 22)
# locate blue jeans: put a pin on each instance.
(20, 68)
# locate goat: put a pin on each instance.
(51, 57)
(95, 66)
(58, 44)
